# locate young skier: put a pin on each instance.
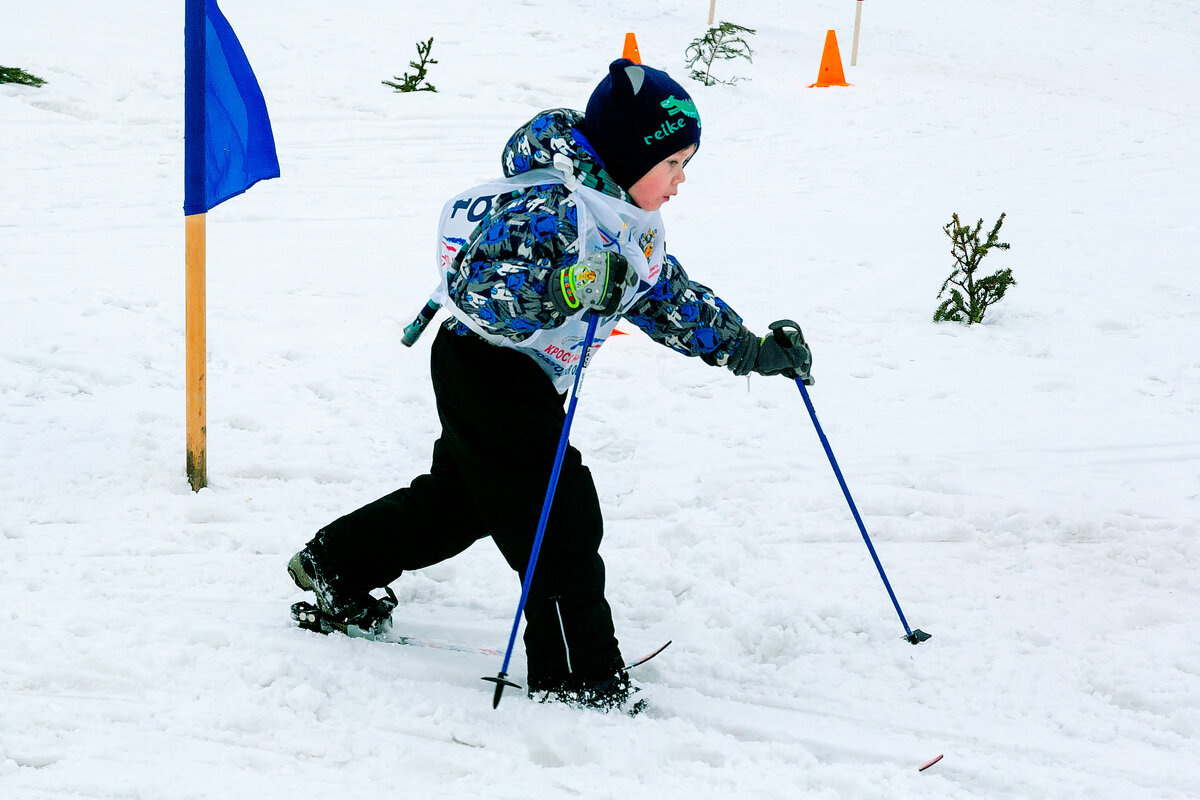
(574, 229)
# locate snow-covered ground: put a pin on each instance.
(1031, 484)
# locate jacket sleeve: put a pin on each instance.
(502, 273)
(690, 319)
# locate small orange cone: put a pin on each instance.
(631, 49)
(831, 64)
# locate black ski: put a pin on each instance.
(638, 662)
(311, 618)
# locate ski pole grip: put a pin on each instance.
(414, 329)
(779, 330)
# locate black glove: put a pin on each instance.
(785, 352)
(597, 282)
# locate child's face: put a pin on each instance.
(661, 183)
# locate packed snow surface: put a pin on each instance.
(1030, 484)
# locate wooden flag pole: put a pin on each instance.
(196, 352)
(712, 9)
(857, 25)
(194, 121)
(224, 154)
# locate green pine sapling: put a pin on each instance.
(18, 75)
(412, 83)
(726, 42)
(968, 302)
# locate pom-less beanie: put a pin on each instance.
(636, 117)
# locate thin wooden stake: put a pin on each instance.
(857, 25)
(712, 9)
(196, 352)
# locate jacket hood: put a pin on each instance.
(552, 140)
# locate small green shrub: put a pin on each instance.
(970, 300)
(412, 83)
(725, 42)
(18, 75)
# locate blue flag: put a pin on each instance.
(228, 144)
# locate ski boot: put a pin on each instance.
(358, 614)
(607, 694)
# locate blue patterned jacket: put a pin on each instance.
(502, 272)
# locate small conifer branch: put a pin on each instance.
(20, 76)
(413, 83)
(978, 293)
(725, 41)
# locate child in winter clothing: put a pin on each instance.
(572, 230)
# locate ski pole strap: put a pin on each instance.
(566, 283)
(779, 330)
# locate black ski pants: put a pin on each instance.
(501, 421)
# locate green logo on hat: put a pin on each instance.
(685, 107)
(674, 107)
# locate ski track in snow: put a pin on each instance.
(1030, 484)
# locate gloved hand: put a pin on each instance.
(597, 282)
(785, 352)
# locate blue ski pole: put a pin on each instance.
(501, 680)
(779, 328)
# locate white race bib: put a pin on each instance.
(605, 223)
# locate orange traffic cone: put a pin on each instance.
(831, 64)
(631, 49)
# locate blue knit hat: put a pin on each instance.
(637, 117)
